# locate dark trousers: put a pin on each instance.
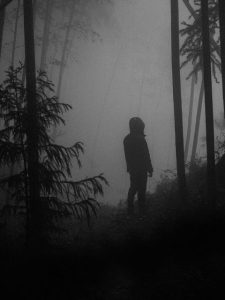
(138, 183)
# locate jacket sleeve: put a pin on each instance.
(147, 157)
(127, 155)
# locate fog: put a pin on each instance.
(126, 73)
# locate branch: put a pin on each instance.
(196, 17)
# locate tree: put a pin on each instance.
(177, 97)
(64, 49)
(32, 128)
(211, 180)
(15, 32)
(191, 50)
(197, 124)
(46, 33)
(2, 21)
(222, 44)
(190, 115)
(60, 194)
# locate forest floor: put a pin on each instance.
(174, 252)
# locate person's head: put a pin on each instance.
(136, 125)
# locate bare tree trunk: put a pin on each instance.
(65, 45)
(222, 45)
(34, 11)
(2, 22)
(4, 3)
(187, 143)
(211, 180)
(15, 33)
(34, 22)
(197, 124)
(32, 128)
(46, 33)
(12, 64)
(177, 98)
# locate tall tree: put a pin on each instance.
(191, 50)
(46, 33)
(15, 32)
(2, 22)
(190, 114)
(61, 195)
(211, 182)
(222, 44)
(32, 126)
(197, 124)
(65, 46)
(4, 3)
(177, 97)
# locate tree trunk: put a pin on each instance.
(211, 182)
(65, 44)
(4, 3)
(46, 33)
(34, 22)
(187, 143)
(222, 44)
(2, 22)
(197, 124)
(15, 33)
(12, 64)
(32, 128)
(177, 98)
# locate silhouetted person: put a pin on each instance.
(138, 164)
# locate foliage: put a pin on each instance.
(60, 194)
(191, 48)
(167, 188)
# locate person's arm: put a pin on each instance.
(127, 155)
(148, 158)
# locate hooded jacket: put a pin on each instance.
(136, 148)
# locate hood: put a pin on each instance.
(137, 126)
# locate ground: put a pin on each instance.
(174, 252)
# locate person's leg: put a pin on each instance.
(131, 193)
(142, 184)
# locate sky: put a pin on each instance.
(127, 73)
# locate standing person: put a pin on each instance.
(138, 164)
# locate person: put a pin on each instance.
(138, 163)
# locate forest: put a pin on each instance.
(73, 76)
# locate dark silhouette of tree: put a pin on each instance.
(15, 32)
(4, 3)
(64, 49)
(60, 195)
(211, 180)
(197, 124)
(32, 127)
(46, 34)
(190, 116)
(222, 44)
(2, 22)
(177, 97)
(191, 50)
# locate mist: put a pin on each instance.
(124, 71)
(97, 97)
(126, 74)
